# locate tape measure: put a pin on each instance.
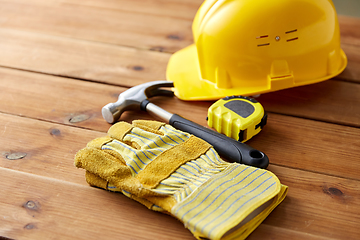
(237, 117)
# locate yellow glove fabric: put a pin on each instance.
(177, 173)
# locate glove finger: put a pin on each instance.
(150, 141)
(107, 164)
(135, 159)
(149, 126)
(157, 128)
(137, 146)
(146, 140)
(174, 134)
(162, 129)
(141, 137)
(107, 153)
(95, 181)
(119, 130)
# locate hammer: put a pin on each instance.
(136, 98)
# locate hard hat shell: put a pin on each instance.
(248, 47)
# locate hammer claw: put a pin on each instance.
(162, 92)
(132, 98)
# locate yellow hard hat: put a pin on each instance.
(248, 47)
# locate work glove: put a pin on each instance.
(177, 173)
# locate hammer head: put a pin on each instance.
(132, 98)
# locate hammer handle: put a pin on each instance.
(230, 149)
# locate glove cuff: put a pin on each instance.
(224, 201)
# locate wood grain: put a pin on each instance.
(80, 59)
(95, 21)
(310, 145)
(349, 30)
(144, 31)
(183, 9)
(320, 205)
(55, 99)
(43, 207)
(329, 101)
(265, 231)
(352, 70)
(35, 207)
(42, 148)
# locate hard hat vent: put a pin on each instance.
(293, 38)
(291, 31)
(263, 44)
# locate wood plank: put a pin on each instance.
(310, 145)
(332, 101)
(183, 9)
(150, 26)
(80, 59)
(265, 231)
(145, 31)
(292, 142)
(55, 99)
(349, 30)
(42, 148)
(352, 70)
(34, 207)
(316, 205)
(316, 101)
(59, 100)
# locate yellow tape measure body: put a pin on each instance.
(237, 117)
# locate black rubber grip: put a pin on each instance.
(230, 149)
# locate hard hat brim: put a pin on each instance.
(183, 69)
